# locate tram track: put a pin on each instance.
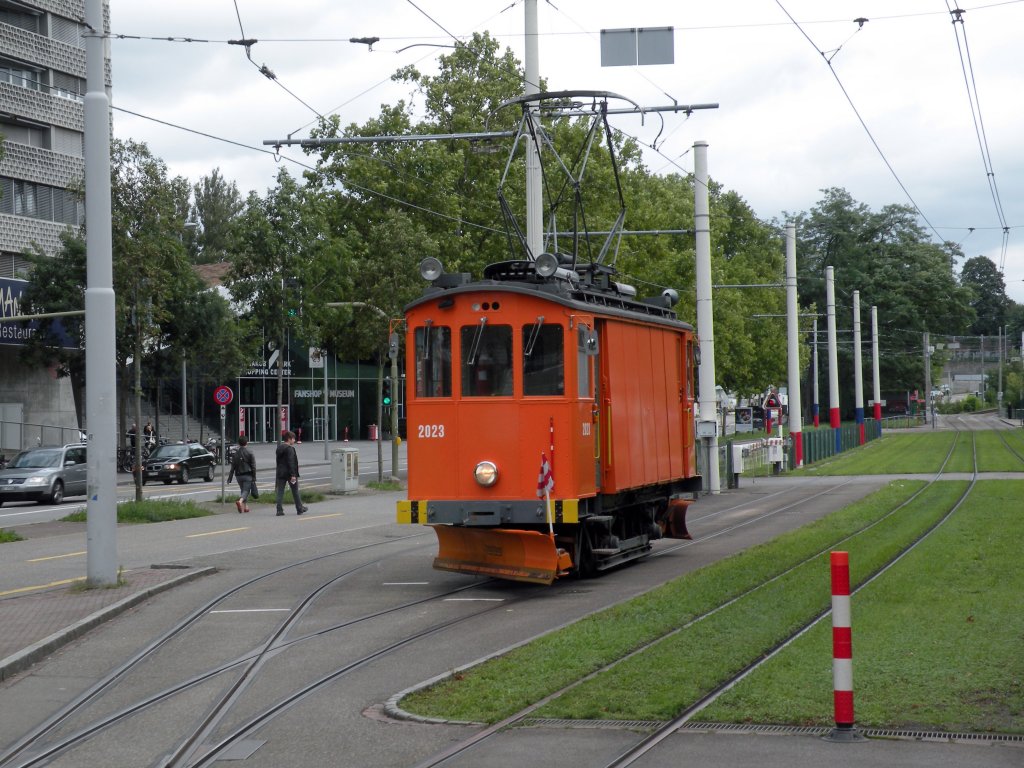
(650, 741)
(31, 745)
(208, 741)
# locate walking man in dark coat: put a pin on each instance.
(243, 466)
(288, 473)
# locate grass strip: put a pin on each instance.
(9, 536)
(148, 511)
(697, 659)
(962, 459)
(913, 453)
(505, 685)
(923, 453)
(993, 455)
(937, 640)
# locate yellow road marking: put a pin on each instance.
(217, 533)
(42, 586)
(57, 557)
(321, 517)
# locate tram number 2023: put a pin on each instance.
(427, 431)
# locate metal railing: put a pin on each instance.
(19, 435)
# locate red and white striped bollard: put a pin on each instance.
(842, 650)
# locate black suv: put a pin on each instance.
(178, 461)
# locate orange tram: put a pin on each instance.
(550, 361)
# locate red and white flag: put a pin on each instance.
(545, 480)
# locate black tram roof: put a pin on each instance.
(588, 288)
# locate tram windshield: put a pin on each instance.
(433, 361)
(543, 360)
(486, 360)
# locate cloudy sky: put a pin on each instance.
(788, 124)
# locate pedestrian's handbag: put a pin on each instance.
(255, 490)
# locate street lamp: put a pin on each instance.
(189, 226)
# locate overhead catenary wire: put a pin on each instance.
(967, 66)
(264, 70)
(864, 125)
(307, 166)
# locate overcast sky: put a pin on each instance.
(784, 129)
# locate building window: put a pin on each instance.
(23, 78)
(39, 201)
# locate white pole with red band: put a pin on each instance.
(842, 650)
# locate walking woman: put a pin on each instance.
(243, 466)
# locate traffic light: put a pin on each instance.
(293, 296)
(386, 393)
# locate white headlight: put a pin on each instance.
(486, 473)
(37, 480)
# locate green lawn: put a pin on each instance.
(923, 453)
(960, 595)
(938, 643)
(902, 453)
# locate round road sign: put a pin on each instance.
(223, 395)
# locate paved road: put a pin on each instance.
(316, 474)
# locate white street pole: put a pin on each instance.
(327, 438)
(833, 358)
(100, 335)
(184, 400)
(534, 180)
(793, 348)
(876, 378)
(705, 316)
(858, 371)
(815, 395)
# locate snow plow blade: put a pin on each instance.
(673, 524)
(517, 555)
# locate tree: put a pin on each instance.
(58, 285)
(283, 265)
(217, 205)
(988, 295)
(149, 258)
(888, 258)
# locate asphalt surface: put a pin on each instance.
(55, 640)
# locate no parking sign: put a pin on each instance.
(223, 395)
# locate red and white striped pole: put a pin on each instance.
(842, 650)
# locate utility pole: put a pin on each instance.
(100, 334)
(928, 380)
(705, 316)
(793, 348)
(534, 179)
(833, 359)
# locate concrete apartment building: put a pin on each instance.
(42, 82)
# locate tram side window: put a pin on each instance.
(433, 362)
(583, 354)
(543, 360)
(486, 360)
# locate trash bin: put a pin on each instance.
(345, 470)
(373, 431)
